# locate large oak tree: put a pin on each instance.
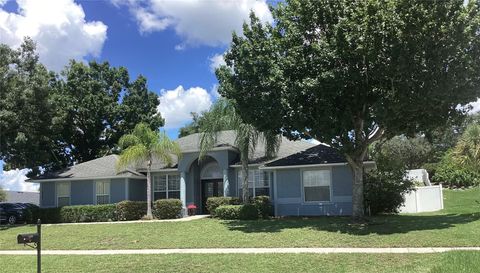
(351, 72)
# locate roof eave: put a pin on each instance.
(367, 163)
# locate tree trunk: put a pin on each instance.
(358, 211)
(149, 191)
(245, 181)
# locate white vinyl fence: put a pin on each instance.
(424, 199)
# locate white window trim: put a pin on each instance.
(330, 186)
(69, 193)
(97, 194)
(239, 183)
(166, 186)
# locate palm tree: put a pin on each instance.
(223, 116)
(467, 150)
(142, 146)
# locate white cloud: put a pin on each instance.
(475, 106)
(176, 105)
(198, 22)
(14, 180)
(216, 61)
(58, 27)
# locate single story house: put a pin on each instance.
(304, 179)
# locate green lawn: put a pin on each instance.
(457, 225)
(458, 262)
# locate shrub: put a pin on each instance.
(237, 212)
(214, 202)
(131, 210)
(384, 191)
(263, 205)
(167, 208)
(46, 215)
(452, 174)
(88, 213)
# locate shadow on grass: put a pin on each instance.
(390, 224)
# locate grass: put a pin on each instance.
(457, 225)
(459, 262)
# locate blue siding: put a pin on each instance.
(290, 200)
(47, 194)
(137, 189)
(117, 190)
(81, 192)
(342, 181)
(288, 183)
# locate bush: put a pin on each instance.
(88, 213)
(384, 191)
(263, 205)
(452, 174)
(167, 208)
(131, 210)
(237, 212)
(214, 202)
(46, 215)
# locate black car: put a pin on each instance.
(12, 213)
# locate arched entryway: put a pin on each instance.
(211, 179)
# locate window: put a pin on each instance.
(103, 192)
(166, 186)
(258, 183)
(316, 185)
(63, 194)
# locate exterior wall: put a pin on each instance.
(47, 194)
(137, 189)
(289, 194)
(117, 190)
(82, 192)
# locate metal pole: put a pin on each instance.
(39, 246)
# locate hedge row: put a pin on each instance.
(214, 202)
(260, 208)
(122, 211)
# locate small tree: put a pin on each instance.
(142, 146)
(223, 116)
(349, 73)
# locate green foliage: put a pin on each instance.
(167, 208)
(88, 213)
(28, 124)
(401, 153)
(78, 117)
(131, 210)
(94, 112)
(237, 212)
(384, 191)
(467, 150)
(263, 205)
(193, 127)
(143, 146)
(224, 115)
(348, 73)
(46, 215)
(3, 195)
(214, 202)
(453, 174)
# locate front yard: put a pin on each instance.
(458, 262)
(457, 225)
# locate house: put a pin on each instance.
(23, 197)
(303, 179)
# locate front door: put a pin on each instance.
(211, 188)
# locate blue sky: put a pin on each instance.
(175, 44)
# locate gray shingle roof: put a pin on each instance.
(100, 167)
(106, 166)
(320, 154)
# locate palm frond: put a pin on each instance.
(165, 149)
(133, 155)
(272, 143)
(128, 140)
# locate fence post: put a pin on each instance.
(416, 199)
(441, 196)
